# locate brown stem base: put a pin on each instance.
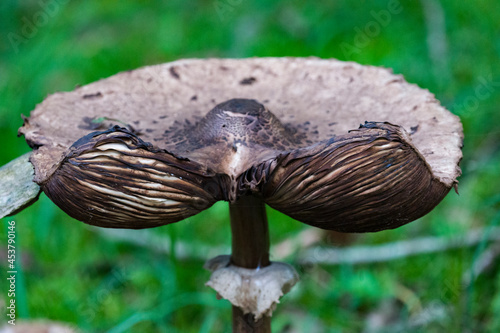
(245, 323)
(250, 249)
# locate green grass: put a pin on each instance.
(72, 274)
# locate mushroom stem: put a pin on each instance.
(250, 232)
(245, 323)
(250, 249)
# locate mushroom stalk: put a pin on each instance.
(250, 249)
(250, 232)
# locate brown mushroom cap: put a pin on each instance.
(144, 146)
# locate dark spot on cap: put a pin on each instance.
(90, 124)
(194, 98)
(173, 72)
(248, 81)
(413, 129)
(92, 96)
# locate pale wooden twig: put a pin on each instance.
(17, 189)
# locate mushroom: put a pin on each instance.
(336, 145)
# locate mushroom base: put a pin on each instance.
(255, 291)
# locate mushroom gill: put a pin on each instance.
(114, 179)
(368, 180)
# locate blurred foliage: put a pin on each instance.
(70, 273)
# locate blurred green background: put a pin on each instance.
(70, 272)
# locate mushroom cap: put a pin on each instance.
(161, 143)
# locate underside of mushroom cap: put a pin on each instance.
(368, 180)
(114, 179)
(297, 112)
